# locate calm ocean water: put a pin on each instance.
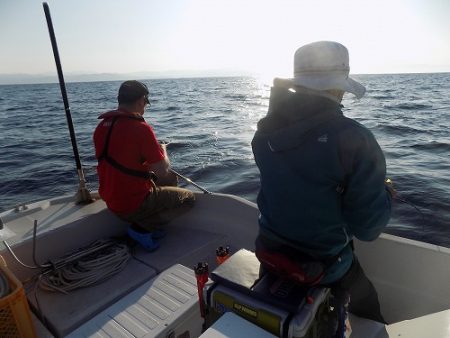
(210, 122)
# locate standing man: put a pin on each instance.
(322, 174)
(134, 173)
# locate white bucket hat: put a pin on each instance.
(324, 65)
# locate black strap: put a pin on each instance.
(132, 172)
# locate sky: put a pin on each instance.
(231, 36)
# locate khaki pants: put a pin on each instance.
(162, 205)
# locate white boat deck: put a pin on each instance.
(433, 325)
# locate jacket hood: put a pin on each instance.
(292, 116)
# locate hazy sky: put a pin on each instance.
(118, 36)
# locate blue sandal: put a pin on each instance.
(145, 239)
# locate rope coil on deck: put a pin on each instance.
(88, 270)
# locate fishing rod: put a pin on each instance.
(83, 194)
(190, 181)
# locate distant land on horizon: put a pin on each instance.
(19, 79)
(13, 79)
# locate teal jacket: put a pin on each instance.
(322, 178)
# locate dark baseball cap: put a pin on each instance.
(132, 90)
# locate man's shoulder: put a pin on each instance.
(351, 126)
(351, 123)
(136, 126)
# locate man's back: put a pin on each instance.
(313, 162)
(133, 145)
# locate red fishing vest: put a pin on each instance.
(125, 146)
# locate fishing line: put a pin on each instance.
(390, 187)
(187, 179)
(403, 200)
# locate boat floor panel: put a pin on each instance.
(182, 245)
(64, 313)
(41, 330)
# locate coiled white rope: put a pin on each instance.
(88, 270)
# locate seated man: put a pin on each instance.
(322, 174)
(134, 173)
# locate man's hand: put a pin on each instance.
(169, 179)
(390, 187)
(163, 147)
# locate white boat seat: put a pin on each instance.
(166, 306)
(64, 313)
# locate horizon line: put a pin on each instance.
(43, 78)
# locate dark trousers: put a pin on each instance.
(363, 296)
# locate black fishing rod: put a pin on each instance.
(190, 181)
(83, 194)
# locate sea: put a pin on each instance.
(209, 124)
